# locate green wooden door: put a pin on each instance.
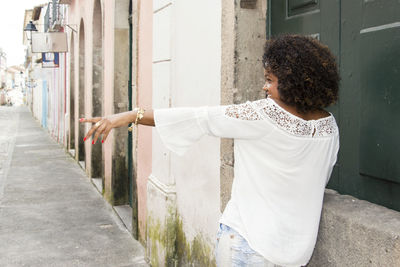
(365, 37)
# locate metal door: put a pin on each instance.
(365, 37)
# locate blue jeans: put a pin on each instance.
(232, 250)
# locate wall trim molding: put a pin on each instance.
(162, 187)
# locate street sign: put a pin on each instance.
(50, 60)
(45, 42)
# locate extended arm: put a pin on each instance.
(103, 125)
(180, 127)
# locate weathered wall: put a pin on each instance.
(80, 17)
(76, 78)
(109, 46)
(242, 78)
(97, 88)
(71, 94)
(55, 92)
(161, 191)
(120, 182)
(37, 96)
(87, 16)
(81, 147)
(196, 69)
(115, 30)
(186, 72)
(144, 99)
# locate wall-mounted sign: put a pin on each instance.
(43, 42)
(50, 60)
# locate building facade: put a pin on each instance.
(3, 67)
(172, 53)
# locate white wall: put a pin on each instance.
(37, 101)
(197, 66)
(187, 72)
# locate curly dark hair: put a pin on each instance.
(307, 73)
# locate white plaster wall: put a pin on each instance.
(37, 101)
(108, 50)
(161, 99)
(40, 75)
(62, 98)
(187, 72)
(50, 101)
(161, 84)
(88, 24)
(196, 65)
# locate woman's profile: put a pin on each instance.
(285, 148)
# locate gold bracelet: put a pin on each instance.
(139, 116)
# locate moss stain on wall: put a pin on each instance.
(172, 239)
(156, 240)
(194, 253)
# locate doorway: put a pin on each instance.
(97, 158)
(81, 107)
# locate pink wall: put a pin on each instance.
(108, 52)
(144, 155)
(73, 9)
(88, 21)
(80, 9)
(84, 9)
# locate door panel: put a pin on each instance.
(296, 7)
(380, 103)
(370, 101)
(365, 37)
(380, 100)
(295, 17)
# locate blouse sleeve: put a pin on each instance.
(335, 152)
(179, 128)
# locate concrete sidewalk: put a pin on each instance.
(50, 213)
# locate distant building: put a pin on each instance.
(3, 67)
(15, 77)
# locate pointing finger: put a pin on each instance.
(92, 120)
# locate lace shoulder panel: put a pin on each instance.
(245, 111)
(293, 124)
(268, 109)
(326, 127)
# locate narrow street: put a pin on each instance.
(50, 213)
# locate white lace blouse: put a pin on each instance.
(282, 165)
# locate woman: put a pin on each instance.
(285, 149)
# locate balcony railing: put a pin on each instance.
(54, 16)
